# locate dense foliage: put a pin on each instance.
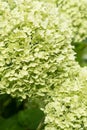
(38, 62)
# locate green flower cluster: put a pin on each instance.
(34, 45)
(37, 59)
(67, 109)
(77, 12)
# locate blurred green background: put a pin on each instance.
(19, 115)
(81, 52)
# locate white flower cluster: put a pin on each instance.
(37, 59)
(77, 12)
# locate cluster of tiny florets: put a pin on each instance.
(37, 59)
